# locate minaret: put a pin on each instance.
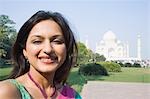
(87, 44)
(127, 49)
(139, 47)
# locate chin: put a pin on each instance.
(49, 68)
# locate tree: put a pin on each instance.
(87, 56)
(83, 54)
(99, 57)
(7, 36)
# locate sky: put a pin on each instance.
(90, 19)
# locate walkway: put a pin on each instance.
(115, 90)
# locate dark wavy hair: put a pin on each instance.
(21, 65)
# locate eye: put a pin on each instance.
(58, 41)
(37, 42)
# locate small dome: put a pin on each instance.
(102, 42)
(109, 36)
(118, 42)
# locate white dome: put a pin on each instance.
(109, 36)
(118, 42)
(102, 42)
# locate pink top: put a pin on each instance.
(67, 93)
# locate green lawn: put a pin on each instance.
(141, 75)
(127, 75)
(4, 72)
(75, 80)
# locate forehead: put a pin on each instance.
(46, 27)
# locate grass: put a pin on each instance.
(75, 80)
(141, 75)
(4, 72)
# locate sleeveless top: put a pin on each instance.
(66, 93)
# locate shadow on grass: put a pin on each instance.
(77, 81)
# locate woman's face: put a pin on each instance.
(45, 46)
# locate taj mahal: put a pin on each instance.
(114, 49)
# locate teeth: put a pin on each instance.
(47, 60)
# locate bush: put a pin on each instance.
(136, 65)
(5, 63)
(111, 66)
(127, 65)
(2, 62)
(121, 64)
(92, 69)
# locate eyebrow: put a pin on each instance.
(37, 36)
(40, 36)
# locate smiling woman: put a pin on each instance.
(44, 52)
(45, 47)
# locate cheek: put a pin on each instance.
(32, 50)
(62, 52)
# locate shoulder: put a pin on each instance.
(8, 90)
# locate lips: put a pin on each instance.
(46, 60)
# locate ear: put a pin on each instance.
(25, 53)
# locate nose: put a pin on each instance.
(47, 47)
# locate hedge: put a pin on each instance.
(92, 69)
(111, 66)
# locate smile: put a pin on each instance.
(46, 60)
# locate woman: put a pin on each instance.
(44, 52)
